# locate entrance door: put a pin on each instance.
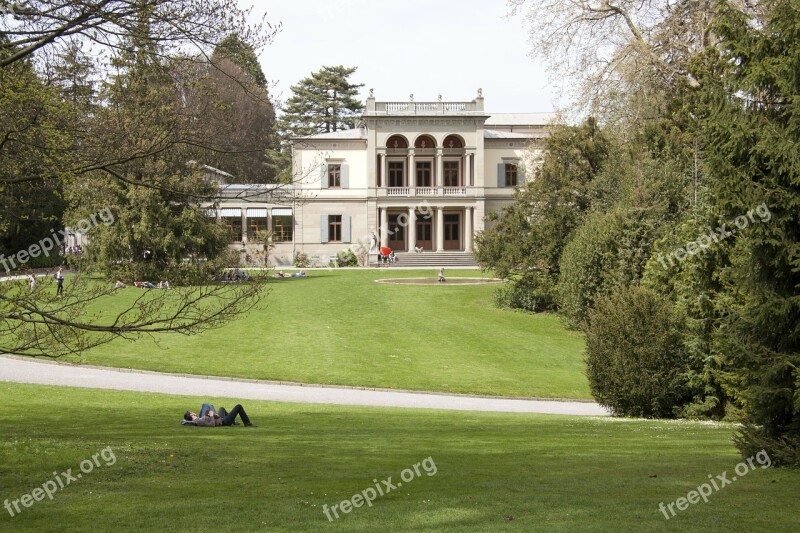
(397, 233)
(425, 234)
(452, 232)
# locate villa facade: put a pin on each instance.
(413, 176)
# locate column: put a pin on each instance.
(468, 170)
(439, 229)
(412, 175)
(468, 229)
(384, 229)
(439, 168)
(412, 228)
(244, 225)
(385, 171)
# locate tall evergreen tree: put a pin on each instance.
(752, 130)
(243, 55)
(322, 103)
(154, 200)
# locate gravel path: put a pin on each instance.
(23, 370)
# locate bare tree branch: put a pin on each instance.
(38, 323)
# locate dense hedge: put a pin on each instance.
(635, 357)
(533, 294)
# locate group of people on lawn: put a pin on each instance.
(59, 275)
(282, 274)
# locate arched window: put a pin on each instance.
(453, 141)
(396, 141)
(425, 141)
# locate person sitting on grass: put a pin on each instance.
(212, 419)
(241, 275)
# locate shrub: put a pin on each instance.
(782, 449)
(532, 294)
(585, 266)
(635, 357)
(347, 258)
(609, 250)
(301, 260)
(44, 261)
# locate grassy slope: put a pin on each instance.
(340, 327)
(550, 473)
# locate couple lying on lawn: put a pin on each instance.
(210, 418)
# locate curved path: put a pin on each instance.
(22, 370)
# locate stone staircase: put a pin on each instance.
(435, 260)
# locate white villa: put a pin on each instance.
(413, 176)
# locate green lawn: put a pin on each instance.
(550, 473)
(340, 327)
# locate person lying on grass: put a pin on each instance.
(212, 419)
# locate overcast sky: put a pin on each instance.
(451, 47)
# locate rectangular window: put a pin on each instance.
(335, 176)
(424, 173)
(451, 177)
(281, 228)
(234, 225)
(396, 174)
(511, 175)
(335, 228)
(256, 228)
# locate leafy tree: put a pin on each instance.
(525, 241)
(32, 115)
(237, 113)
(52, 25)
(62, 136)
(156, 228)
(619, 48)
